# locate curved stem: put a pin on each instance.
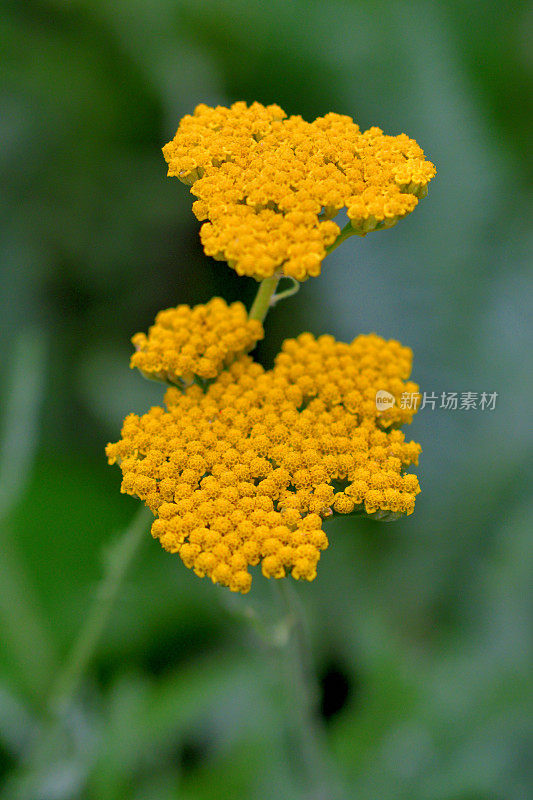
(308, 737)
(345, 233)
(261, 304)
(286, 292)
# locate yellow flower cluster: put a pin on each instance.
(201, 341)
(269, 186)
(247, 471)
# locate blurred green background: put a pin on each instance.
(421, 629)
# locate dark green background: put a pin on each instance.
(421, 629)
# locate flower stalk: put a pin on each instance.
(309, 752)
(263, 298)
(309, 747)
(345, 233)
(118, 562)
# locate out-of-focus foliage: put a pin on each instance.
(420, 628)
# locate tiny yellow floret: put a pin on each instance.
(246, 471)
(202, 341)
(269, 186)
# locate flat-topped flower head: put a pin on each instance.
(268, 185)
(186, 342)
(247, 471)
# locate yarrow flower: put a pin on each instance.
(247, 471)
(186, 342)
(269, 186)
(244, 465)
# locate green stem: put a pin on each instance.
(118, 562)
(266, 297)
(261, 304)
(25, 783)
(345, 233)
(308, 737)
